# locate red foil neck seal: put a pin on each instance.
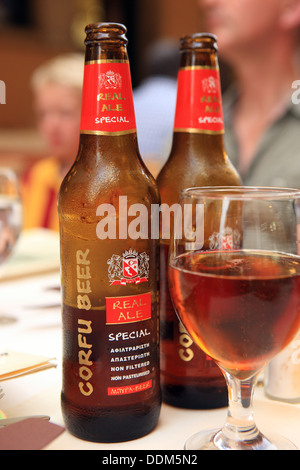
(107, 101)
(199, 101)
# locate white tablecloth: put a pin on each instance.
(34, 301)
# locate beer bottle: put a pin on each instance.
(109, 262)
(189, 379)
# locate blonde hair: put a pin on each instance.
(66, 69)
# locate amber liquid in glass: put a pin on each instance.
(240, 307)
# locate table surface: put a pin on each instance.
(35, 302)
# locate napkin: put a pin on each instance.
(37, 251)
(14, 364)
(29, 434)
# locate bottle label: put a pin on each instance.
(107, 102)
(199, 101)
(114, 346)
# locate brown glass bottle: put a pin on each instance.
(109, 263)
(189, 379)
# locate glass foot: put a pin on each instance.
(212, 440)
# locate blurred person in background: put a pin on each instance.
(155, 102)
(260, 41)
(57, 89)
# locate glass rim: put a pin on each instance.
(241, 192)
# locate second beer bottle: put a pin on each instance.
(189, 379)
(109, 263)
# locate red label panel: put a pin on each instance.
(128, 309)
(199, 101)
(107, 102)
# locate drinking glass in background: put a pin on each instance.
(234, 275)
(10, 222)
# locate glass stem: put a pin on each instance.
(240, 431)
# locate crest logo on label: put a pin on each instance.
(110, 80)
(226, 240)
(131, 267)
(209, 85)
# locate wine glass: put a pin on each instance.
(10, 221)
(234, 277)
